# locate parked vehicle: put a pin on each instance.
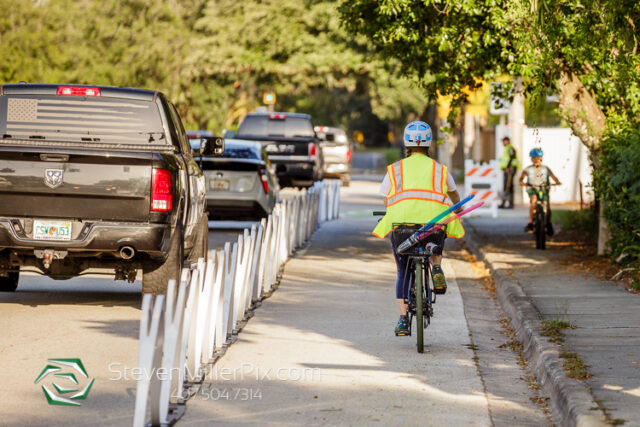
(336, 151)
(97, 177)
(241, 185)
(291, 144)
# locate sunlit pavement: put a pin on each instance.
(321, 350)
(607, 318)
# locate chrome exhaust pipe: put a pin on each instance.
(127, 252)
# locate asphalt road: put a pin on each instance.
(93, 318)
(332, 317)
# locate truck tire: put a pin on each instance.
(9, 283)
(345, 179)
(201, 245)
(156, 274)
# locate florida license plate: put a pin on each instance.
(51, 230)
(219, 184)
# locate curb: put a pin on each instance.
(570, 401)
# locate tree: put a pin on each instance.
(587, 50)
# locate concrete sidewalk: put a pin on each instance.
(321, 349)
(536, 286)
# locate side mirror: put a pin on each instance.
(212, 146)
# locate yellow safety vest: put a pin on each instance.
(418, 194)
(504, 158)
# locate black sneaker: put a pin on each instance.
(402, 328)
(549, 229)
(528, 228)
(439, 282)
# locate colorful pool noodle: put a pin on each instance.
(424, 231)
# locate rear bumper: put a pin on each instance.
(91, 237)
(220, 209)
(289, 173)
(336, 169)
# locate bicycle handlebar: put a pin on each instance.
(541, 186)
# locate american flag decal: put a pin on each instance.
(77, 119)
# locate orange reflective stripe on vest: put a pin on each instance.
(417, 195)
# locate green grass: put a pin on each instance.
(553, 329)
(580, 219)
(574, 365)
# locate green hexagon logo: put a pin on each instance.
(65, 384)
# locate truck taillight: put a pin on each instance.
(161, 191)
(312, 151)
(264, 179)
(78, 91)
(348, 155)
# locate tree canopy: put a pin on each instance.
(584, 49)
(213, 58)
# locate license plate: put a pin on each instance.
(280, 148)
(51, 230)
(219, 184)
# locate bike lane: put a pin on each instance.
(540, 288)
(321, 349)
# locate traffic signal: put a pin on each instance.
(269, 98)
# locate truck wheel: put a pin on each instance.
(346, 179)
(9, 283)
(156, 275)
(201, 245)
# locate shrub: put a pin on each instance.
(617, 183)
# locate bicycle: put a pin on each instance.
(540, 215)
(421, 293)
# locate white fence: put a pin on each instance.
(183, 334)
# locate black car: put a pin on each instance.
(291, 144)
(97, 177)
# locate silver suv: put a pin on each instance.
(336, 151)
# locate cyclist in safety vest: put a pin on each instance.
(509, 164)
(538, 175)
(417, 189)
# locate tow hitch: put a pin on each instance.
(48, 255)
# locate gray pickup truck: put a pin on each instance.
(95, 178)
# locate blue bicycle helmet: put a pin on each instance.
(417, 134)
(536, 152)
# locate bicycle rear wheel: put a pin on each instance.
(419, 304)
(540, 231)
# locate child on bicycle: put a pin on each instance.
(538, 176)
(417, 189)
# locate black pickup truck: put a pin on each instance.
(95, 178)
(291, 145)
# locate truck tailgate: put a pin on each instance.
(334, 153)
(88, 186)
